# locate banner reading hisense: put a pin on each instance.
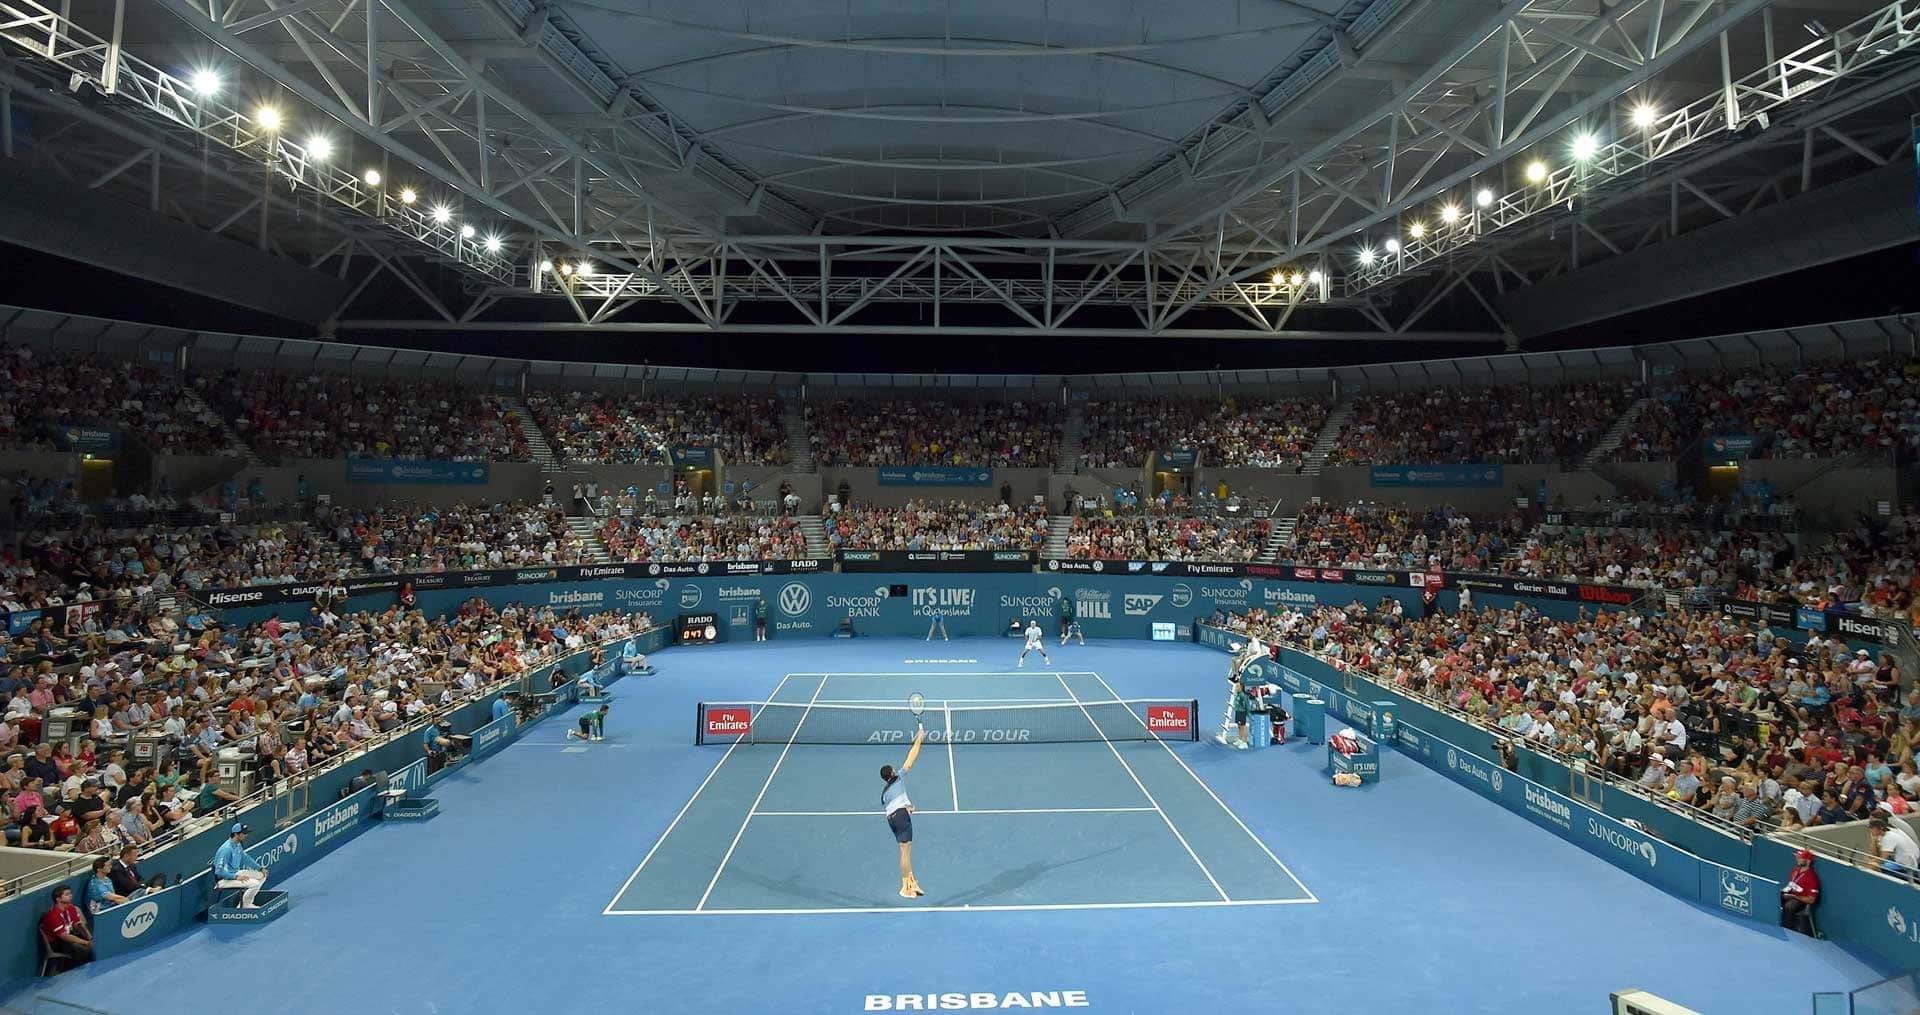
(391, 470)
(933, 475)
(1439, 475)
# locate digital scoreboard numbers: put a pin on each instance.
(699, 628)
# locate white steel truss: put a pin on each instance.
(580, 219)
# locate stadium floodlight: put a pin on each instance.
(372, 177)
(408, 196)
(546, 267)
(583, 268)
(493, 244)
(1297, 279)
(1584, 147)
(442, 214)
(1392, 245)
(1450, 214)
(1314, 276)
(1366, 256)
(206, 82)
(319, 148)
(1644, 115)
(466, 232)
(1279, 278)
(566, 269)
(1483, 198)
(1417, 230)
(267, 117)
(1536, 171)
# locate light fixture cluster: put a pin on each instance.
(1644, 116)
(269, 119)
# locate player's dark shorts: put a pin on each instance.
(901, 821)
(586, 724)
(1240, 716)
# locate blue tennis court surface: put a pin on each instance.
(1424, 897)
(795, 828)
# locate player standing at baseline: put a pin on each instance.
(1034, 638)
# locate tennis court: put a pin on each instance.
(1037, 790)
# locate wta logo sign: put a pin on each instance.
(729, 721)
(139, 920)
(1164, 720)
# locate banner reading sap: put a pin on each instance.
(1438, 475)
(391, 470)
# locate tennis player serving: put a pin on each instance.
(899, 809)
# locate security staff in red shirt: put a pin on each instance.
(66, 929)
(1800, 894)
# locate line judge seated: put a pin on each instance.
(234, 867)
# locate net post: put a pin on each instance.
(1193, 727)
(699, 724)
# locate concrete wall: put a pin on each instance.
(1844, 491)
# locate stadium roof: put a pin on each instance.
(1375, 169)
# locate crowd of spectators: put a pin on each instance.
(52, 567)
(1509, 423)
(1264, 433)
(1820, 410)
(293, 415)
(1397, 536)
(299, 695)
(42, 394)
(1163, 536)
(1671, 555)
(646, 537)
(936, 525)
(602, 429)
(1709, 713)
(1001, 435)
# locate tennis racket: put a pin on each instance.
(916, 703)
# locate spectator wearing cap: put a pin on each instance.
(1896, 850)
(88, 803)
(65, 928)
(1800, 894)
(1656, 774)
(234, 867)
(436, 742)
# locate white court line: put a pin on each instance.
(744, 822)
(953, 701)
(553, 743)
(1143, 789)
(949, 673)
(1037, 907)
(684, 808)
(919, 811)
(1216, 797)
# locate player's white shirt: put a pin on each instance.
(1033, 635)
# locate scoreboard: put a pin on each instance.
(699, 628)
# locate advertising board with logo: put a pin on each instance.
(929, 475)
(409, 471)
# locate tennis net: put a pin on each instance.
(783, 722)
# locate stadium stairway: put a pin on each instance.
(1073, 436)
(812, 527)
(1056, 545)
(1616, 434)
(1279, 537)
(542, 452)
(797, 443)
(1329, 438)
(586, 528)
